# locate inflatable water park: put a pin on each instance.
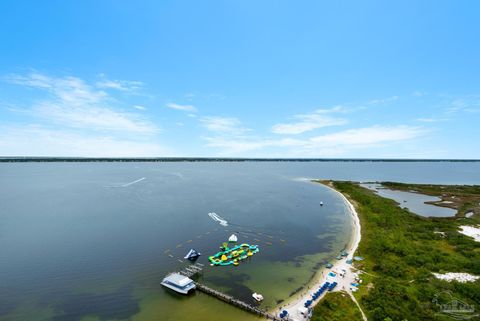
(233, 255)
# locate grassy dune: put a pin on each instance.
(336, 306)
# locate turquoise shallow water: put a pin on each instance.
(91, 241)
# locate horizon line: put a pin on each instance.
(221, 158)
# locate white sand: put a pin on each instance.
(460, 277)
(471, 231)
(343, 282)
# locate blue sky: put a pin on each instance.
(380, 79)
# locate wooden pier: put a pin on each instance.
(238, 303)
(197, 268)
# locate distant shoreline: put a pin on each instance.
(22, 159)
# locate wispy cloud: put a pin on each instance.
(35, 140)
(93, 118)
(383, 100)
(430, 119)
(223, 125)
(238, 146)
(139, 107)
(122, 85)
(189, 108)
(308, 122)
(68, 89)
(74, 103)
(335, 144)
(367, 136)
(419, 93)
(469, 104)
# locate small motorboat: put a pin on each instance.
(192, 255)
(257, 296)
(321, 203)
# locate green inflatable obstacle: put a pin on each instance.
(234, 255)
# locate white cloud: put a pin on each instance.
(139, 107)
(329, 145)
(309, 122)
(430, 120)
(366, 137)
(93, 118)
(418, 93)
(189, 108)
(122, 85)
(70, 90)
(223, 125)
(76, 104)
(34, 140)
(239, 145)
(33, 80)
(469, 104)
(383, 100)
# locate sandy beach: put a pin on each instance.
(295, 303)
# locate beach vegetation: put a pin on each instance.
(336, 306)
(401, 250)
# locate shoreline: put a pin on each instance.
(297, 301)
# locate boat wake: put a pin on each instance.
(134, 182)
(217, 218)
(126, 184)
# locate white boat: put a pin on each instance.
(233, 238)
(321, 203)
(179, 283)
(214, 216)
(257, 296)
(192, 255)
